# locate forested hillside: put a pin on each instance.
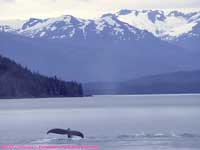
(19, 82)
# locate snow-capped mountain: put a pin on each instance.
(108, 48)
(164, 24)
(69, 27)
(168, 25)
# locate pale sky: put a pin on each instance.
(23, 9)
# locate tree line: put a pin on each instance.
(17, 81)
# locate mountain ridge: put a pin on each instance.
(179, 82)
(92, 47)
(174, 26)
(165, 24)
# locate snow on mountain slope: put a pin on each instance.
(61, 27)
(69, 27)
(109, 25)
(164, 24)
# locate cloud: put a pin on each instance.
(82, 8)
(7, 1)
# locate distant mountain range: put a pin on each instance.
(170, 83)
(19, 82)
(177, 27)
(168, 25)
(113, 47)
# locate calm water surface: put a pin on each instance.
(150, 122)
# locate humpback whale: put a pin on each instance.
(67, 132)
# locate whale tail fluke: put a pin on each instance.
(67, 132)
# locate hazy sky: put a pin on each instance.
(12, 9)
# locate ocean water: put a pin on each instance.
(148, 122)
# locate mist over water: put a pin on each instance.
(111, 122)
